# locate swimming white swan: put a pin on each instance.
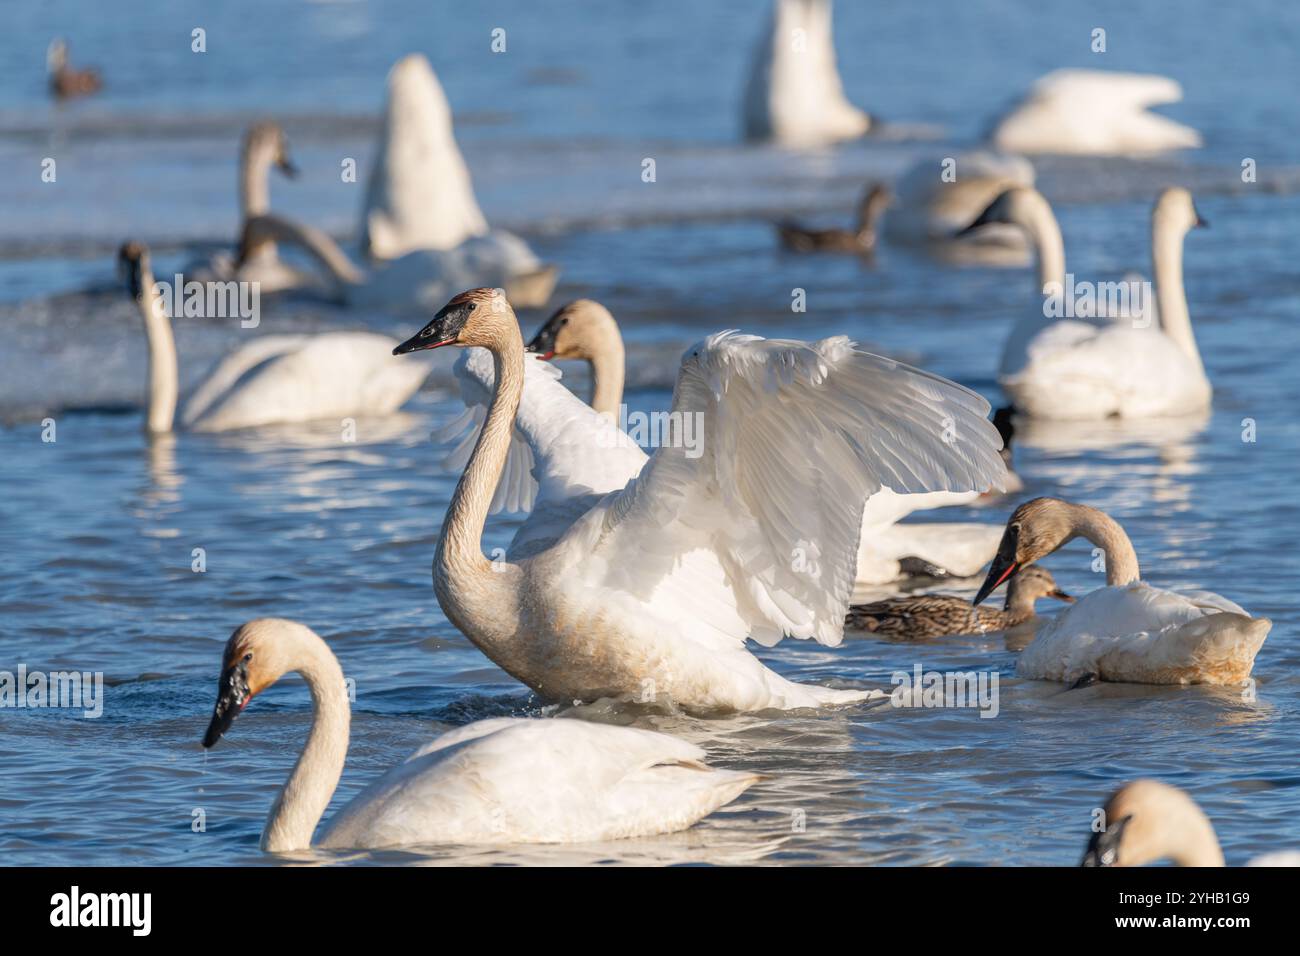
(933, 206)
(1126, 631)
(1096, 112)
(1134, 362)
(794, 95)
(264, 147)
(508, 780)
(271, 380)
(644, 577)
(419, 196)
(585, 330)
(418, 280)
(1146, 821)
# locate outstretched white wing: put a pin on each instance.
(563, 457)
(795, 437)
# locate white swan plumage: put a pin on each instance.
(1095, 112)
(420, 199)
(1127, 631)
(794, 95)
(508, 780)
(274, 379)
(1139, 361)
(619, 585)
(1145, 821)
(587, 331)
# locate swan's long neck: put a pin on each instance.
(1177, 830)
(163, 382)
(307, 792)
(478, 596)
(324, 250)
(1105, 532)
(254, 181)
(1167, 263)
(1045, 232)
(607, 364)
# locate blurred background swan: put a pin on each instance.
(794, 95)
(1095, 112)
(420, 197)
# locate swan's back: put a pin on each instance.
(1095, 368)
(1094, 111)
(335, 374)
(1145, 635)
(515, 780)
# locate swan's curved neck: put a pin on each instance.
(307, 792)
(1167, 264)
(478, 596)
(1105, 532)
(1045, 232)
(163, 383)
(607, 364)
(323, 250)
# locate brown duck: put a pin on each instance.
(935, 615)
(861, 241)
(65, 82)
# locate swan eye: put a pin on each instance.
(472, 306)
(246, 659)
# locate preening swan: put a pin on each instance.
(507, 780)
(1126, 631)
(794, 95)
(1095, 111)
(419, 197)
(273, 379)
(935, 615)
(66, 82)
(1146, 821)
(940, 196)
(636, 577)
(887, 551)
(861, 240)
(417, 280)
(1136, 362)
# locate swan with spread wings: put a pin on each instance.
(642, 577)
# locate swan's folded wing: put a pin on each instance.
(563, 455)
(777, 446)
(229, 369)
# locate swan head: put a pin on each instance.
(1017, 206)
(1175, 209)
(575, 331)
(258, 654)
(1034, 530)
(133, 267)
(476, 317)
(1145, 821)
(266, 145)
(1033, 583)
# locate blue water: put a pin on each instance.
(98, 528)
